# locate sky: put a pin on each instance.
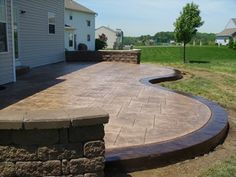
(143, 17)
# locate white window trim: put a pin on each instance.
(52, 23)
(6, 52)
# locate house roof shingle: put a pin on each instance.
(227, 32)
(72, 5)
(234, 20)
(106, 28)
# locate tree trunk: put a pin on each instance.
(184, 53)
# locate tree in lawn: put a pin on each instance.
(186, 25)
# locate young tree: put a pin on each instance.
(186, 25)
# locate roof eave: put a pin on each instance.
(94, 13)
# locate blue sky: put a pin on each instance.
(139, 17)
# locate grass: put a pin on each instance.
(219, 58)
(215, 80)
(226, 169)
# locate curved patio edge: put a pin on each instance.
(189, 146)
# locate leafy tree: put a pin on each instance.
(103, 37)
(186, 25)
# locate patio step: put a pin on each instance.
(20, 70)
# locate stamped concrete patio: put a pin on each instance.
(139, 114)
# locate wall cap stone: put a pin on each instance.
(122, 51)
(52, 119)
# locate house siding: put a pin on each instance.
(111, 36)
(79, 22)
(36, 46)
(6, 58)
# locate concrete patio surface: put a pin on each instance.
(139, 114)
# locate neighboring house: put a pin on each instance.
(113, 36)
(223, 37)
(31, 34)
(79, 26)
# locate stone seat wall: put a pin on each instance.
(125, 56)
(52, 143)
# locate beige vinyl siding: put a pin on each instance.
(6, 58)
(110, 34)
(36, 46)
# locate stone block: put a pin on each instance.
(28, 169)
(88, 116)
(77, 166)
(7, 169)
(98, 174)
(35, 137)
(94, 149)
(88, 133)
(84, 165)
(46, 119)
(52, 168)
(18, 153)
(65, 167)
(59, 152)
(11, 120)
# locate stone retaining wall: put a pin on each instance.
(126, 56)
(77, 150)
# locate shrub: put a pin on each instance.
(99, 44)
(234, 46)
(231, 43)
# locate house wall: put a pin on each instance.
(6, 58)
(36, 46)
(222, 40)
(79, 22)
(111, 36)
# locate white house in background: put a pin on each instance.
(31, 34)
(79, 26)
(113, 36)
(223, 37)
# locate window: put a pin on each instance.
(70, 40)
(51, 22)
(3, 27)
(88, 38)
(71, 17)
(88, 23)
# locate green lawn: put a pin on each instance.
(215, 80)
(219, 58)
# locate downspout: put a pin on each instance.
(13, 48)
